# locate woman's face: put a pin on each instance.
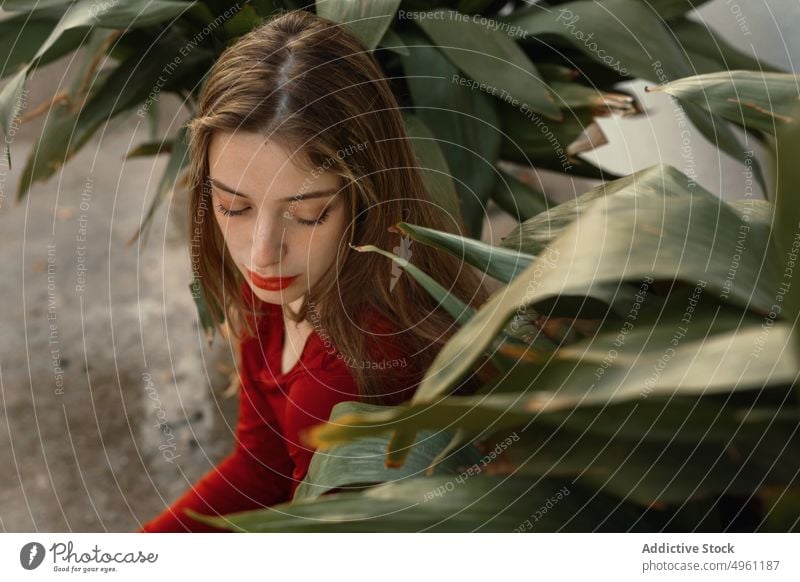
(282, 223)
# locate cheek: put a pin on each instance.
(235, 238)
(324, 242)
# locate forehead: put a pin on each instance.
(250, 164)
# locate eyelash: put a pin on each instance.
(320, 220)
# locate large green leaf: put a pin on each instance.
(755, 100)
(360, 462)
(369, 21)
(442, 504)
(570, 390)
(490, 56)
(649, 473)
(664, 228)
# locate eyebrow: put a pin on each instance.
(305, 196)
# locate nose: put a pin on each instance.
(269, 246)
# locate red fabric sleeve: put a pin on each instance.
(311, 398)
(255, 475)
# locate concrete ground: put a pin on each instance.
(111, 399)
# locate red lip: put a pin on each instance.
(271, 283)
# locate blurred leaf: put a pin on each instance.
(66, 131)
(152, 148)
(782, 508)
(752, 99)
(85, 14)
(441, 504)
(462, 120)
(532, 141)
(629, 37)
(787, 212)
(23, 34)
(361, 462)
(392, 41)
(26, 5)
(369, 21)
(708, 52)
(517, 198)
(178, 158)
(492, 57)
(667, 9)
(434, 168)
(242, 22)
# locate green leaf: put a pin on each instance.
(708, 52)
(668, 9)
(498, 262)
(66, 131)
(152, 148)
(25, 5)
(787, 212)
(690, 236)
(490, 56)
(517, 198)
(433, 166)
(463, 121)
(442, 504)
(752, 99)
(532, 141)
(369, 21)
(81, 15)
(457, 309)
(360, 463)
(23, 34)
(178, 159)
(392, 41)
(242, 22)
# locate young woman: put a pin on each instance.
(298, 151)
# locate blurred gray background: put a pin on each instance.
(141, 412)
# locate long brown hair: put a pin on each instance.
(313, 87)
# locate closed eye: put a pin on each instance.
(316, 222)
(230, 212)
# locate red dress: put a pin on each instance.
(269, 459)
